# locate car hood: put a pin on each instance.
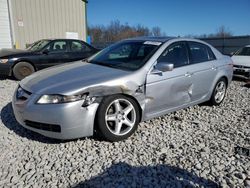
(12, 52)
(241, 60)
(75, 78)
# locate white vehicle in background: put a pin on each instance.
(241, 62)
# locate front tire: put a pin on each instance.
(22, 69)
(219, 92)
(117, 117)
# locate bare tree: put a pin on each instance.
(97, 33)
(222, 31)
(142, 30)
(116, 31)
(156, 31)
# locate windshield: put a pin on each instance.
(243, 51)
(126, 55)
(37, 46)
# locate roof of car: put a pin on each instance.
(247, 45)
(52, 39)
(156, 39)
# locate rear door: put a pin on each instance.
(169, 90)
(79, 50)
(202, 68)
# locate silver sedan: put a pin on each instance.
(131, 81)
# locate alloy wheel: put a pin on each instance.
(220, 91)
(120, 117)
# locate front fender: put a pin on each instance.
(135, 92)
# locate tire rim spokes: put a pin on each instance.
(25, 71)
(220, 91)
(120, 117)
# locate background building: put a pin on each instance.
(24, 21)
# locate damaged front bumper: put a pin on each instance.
(241, 71)
(60, 121)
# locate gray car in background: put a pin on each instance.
(131, 81)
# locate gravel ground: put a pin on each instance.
(200, 146)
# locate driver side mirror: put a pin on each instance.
(162, 67)
(46, 52)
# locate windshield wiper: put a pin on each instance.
(103, 64)
(85, 60)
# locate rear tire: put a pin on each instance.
(219, 92)
(22, 69)
(117, 118)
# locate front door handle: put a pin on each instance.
(188, 74)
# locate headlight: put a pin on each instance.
(3, 60)
(56, 99)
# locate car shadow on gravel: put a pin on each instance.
(240, 79)
(247, 84)
(7, 77)
(8, 119)
(124, 175)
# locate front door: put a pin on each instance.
(57, 53)
(169, 90)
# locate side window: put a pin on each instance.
(176, 53)
(78, 47)
(58, 46)
(211, 54)
(198, 52)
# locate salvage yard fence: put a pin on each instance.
(226, 45)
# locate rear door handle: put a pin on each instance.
(214, 68)
(188, 74)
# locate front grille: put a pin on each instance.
(43, 126)
(241, 72)
(241, 66)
